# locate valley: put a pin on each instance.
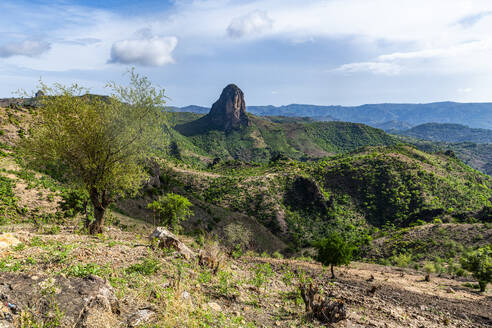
(262, 190)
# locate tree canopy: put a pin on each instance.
(100, 143)
(334, 250)
(171, 209)
(479, 263)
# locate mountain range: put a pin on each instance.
(386, 116)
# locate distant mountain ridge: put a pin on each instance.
(448, 132)
(474, 115)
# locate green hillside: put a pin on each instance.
(265, 138)
(371, 188)
(478, 156)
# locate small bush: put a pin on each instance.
(85, 270)
(147, 267)
(479, 263)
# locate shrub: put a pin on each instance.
(237, 236)
(85, 270)
(429, 268)
(334, 250)
(479, 263)
(402, 260)
(171, 209)
(147, 267)
(262, 272)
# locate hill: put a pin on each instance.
(374, 187)
(475, 115)
(404, 207)
(228, 132)
(478, 156)
(448, 133)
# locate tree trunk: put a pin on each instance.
(97, 225)
(482, 285)
(100, 202)
(332, 272)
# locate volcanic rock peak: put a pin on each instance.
(229, 112)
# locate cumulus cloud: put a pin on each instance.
(371, 67)
(154, 51)
(26, 48)
(255, 22)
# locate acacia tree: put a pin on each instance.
(100, 143)
(334, 250)
(479, 263)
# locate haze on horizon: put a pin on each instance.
(324, 52)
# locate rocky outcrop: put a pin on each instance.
(228, 113)
(306, 193)
(167, 239)
(71, 302)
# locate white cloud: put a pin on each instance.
(465, 90)
(253, 23)
(464, 49)
(26, 48)
(156, 51)
(371, 67)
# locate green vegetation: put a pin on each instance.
(264, 139)
(334, 250)
(479, 263)
(8, 201)
(99, 142)
(171, 209)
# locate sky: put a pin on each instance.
(325, 52)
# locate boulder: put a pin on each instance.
(140, 317)
(166, 239)
(83, 302)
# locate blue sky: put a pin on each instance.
(279, 52)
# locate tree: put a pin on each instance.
(479, 263)
(171, 209)
(334, 250)
(100, 142)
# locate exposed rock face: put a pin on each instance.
(88, 302)
(229, 112)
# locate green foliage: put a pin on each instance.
(429, 268)
(8, 201)
(401, 260)
(479, 263)
(226, 286)
(171, 209)
(100, 142)
(147, 267)
(74, 201)
(334, 250)
(262, 274)
(84, 270)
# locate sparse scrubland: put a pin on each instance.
(258, 206)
